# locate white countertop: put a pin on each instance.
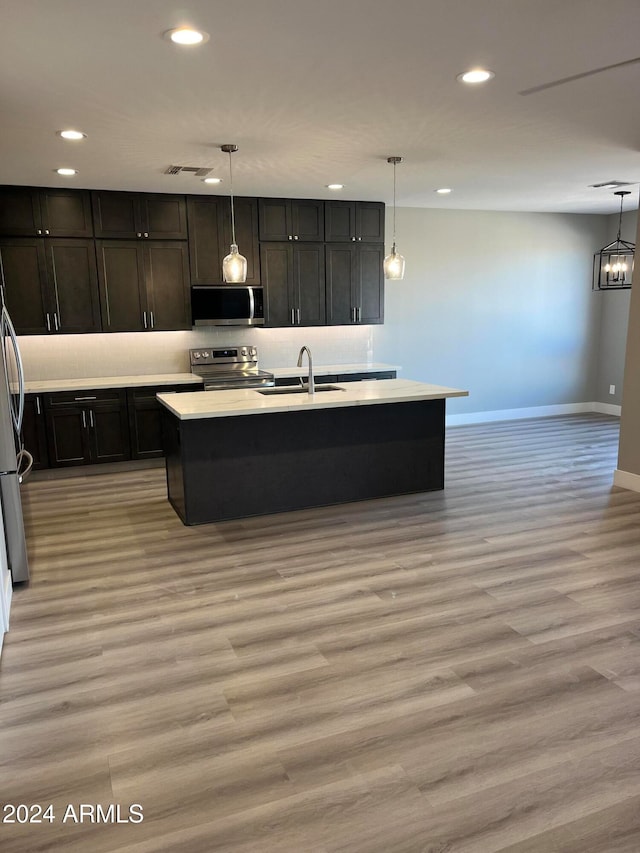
(43, 386)
(223, 404)
(329, 369)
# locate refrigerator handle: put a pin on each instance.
(24, 473)
(7, 326)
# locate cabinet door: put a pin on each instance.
(24, 279)
(116, 214)
(109, 430)
(206, 238)
(167, 279)
(66, 213)
(20, 211)
(145, 420)
(122, 286)
(370, 290)
(370, 221)
(68, 436)
(276, 264)
(163, 216)
(308, 284)
(274, 219)
(339, 221)
(246, 216)
(307, 220)
(34, 431)
(341, 261)
(73, 285)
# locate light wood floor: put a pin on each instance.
(451, 672)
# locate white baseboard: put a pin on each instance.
(607, 409)
(526, 412)
(626, 480)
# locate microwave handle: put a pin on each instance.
(252, 305)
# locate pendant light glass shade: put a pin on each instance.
(393, 264)
(234, 265)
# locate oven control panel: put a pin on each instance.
(246, 355)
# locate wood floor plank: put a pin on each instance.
(448, 672)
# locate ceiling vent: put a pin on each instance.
(198, 171)
(611, 184)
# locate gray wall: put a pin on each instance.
(497, 303)
(629, 451)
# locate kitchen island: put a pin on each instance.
(238, 453)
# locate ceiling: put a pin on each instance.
(322, 91)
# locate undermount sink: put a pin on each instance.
(297, 390)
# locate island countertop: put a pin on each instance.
(224, 404)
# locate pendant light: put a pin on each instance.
(234, 266)
(394, 263)
(613, 265)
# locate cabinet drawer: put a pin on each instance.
(84, 397)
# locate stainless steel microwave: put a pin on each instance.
(227, 305)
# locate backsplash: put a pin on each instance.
(130, 353)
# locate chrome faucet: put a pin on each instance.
(310, 382)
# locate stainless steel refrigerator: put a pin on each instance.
(15, 461)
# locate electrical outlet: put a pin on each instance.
(612, 389)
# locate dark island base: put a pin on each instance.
(235, 467)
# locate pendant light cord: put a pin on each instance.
(233, 220)
(620, 219)
(394, 208)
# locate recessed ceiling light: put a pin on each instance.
(72, 134)
(186, 35)
(444, 190)
(67, 172)
(212, 180)
(476, 75)
(335, 186)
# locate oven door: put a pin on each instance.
(231, 384)
(227, 305)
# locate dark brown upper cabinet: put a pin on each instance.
(142, 216)
(294, 286)
(51, 285)
(34, 212)
(209, 220)
(355, 283)
(144, 286)
(354, 221)
(284, 219)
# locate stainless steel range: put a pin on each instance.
(222, 368)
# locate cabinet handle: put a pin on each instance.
(290, 237)
(360, 238)
(353, 315)
(39, 231)
(48, 324)
(153, 322)
(84, 419)
(146, 233)
(293, 316)
(353, 239)
(46, 230)
(144, 319)
(298, 313)
(38, 412)
(296, 237)
(91, 418)
(85, 398)
(55, 321)
(138, 233)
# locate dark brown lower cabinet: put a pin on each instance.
(34, 431)
(87, 427)
(145, 421)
